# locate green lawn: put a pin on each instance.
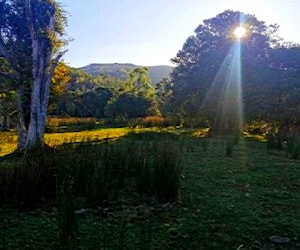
(236, 202)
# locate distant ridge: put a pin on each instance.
(118, 70)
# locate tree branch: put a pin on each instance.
(56, 60)
(29, 18)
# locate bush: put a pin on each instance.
(150, 121)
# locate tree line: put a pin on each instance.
(83, 95)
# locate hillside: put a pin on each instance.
(119, 70)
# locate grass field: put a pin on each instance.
(8, 140)
(235, 202)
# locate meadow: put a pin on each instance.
(152, 189)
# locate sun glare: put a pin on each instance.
(240, 32)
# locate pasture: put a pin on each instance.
(247, 199)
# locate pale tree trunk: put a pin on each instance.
(42, 71)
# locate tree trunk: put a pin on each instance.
(21, 124)
(42, 71)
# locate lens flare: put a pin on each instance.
(225, 95)
(240, 32)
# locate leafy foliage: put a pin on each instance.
(269, 69)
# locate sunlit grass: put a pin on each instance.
(257, 137)
(200, 133)
(8, 140)
(55, 139)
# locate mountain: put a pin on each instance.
(118, 70)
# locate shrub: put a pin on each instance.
(154, 121)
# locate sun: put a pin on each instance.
(240, 32)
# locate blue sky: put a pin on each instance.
(151, 32)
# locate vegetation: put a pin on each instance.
(118, 70)
(269, 67)
(106, 157)
(214, 194)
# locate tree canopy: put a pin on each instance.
(269, 68)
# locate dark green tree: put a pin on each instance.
(207, 51)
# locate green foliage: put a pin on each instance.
(136, 98)
(129, 106)
(268, 66)
(105, 96)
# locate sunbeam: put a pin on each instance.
(225, 93)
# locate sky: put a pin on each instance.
(151, 32)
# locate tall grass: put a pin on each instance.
(91, 173)
(65, 206)
(30, 180)
(69, 121)
(62, 124)
(290, 144)
(293, 146)
(99, 170)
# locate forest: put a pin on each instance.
(202, 155)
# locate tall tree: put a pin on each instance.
(31, 39)
(136, 98)
(208, 51)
